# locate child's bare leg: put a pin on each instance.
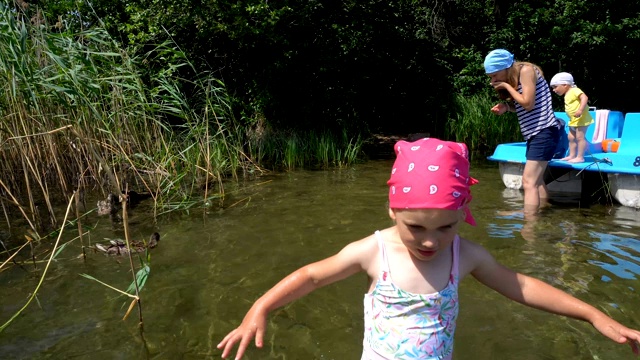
(580, 133)
(572, 144)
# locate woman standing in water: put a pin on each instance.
(527, 93)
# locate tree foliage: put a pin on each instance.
(376, 65)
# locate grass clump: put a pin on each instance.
(475, 125)
(77, 115)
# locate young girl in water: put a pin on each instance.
(415, 266)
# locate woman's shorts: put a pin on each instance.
(542, 146)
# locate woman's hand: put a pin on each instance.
(618, 332)
(500, 85)
(253, 325)
(500, 109)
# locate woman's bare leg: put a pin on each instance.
(533, 184)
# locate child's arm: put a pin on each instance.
(540, 295)
(584, 99)
(347, 262)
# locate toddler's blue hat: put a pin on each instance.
(498, 59)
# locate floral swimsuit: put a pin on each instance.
(402, 325)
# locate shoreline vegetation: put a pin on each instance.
(78, 115)
(81, 117)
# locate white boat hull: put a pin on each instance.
(625, 188)
(511, 174)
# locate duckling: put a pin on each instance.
(110, 206)
(119, 246)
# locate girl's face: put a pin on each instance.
(499, 76)
(426, 232)
(561, 89)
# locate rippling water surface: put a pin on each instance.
(210, 267)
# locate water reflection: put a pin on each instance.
(513, 197)
(627, 217)
(210, 267)
(622, 253)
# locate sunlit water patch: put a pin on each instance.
(210, 266)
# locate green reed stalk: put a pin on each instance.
(479, 128)
(114, 123)
(125, 222)
(75, 109)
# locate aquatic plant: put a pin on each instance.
(290, 150)
(475, 125)
(76, 113)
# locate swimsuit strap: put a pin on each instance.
(456, 256)
(385, 262)
(383, 253)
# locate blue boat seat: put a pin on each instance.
(563, 116)
(630, 137)
(564, 142)
(515, 152)
(615, 123)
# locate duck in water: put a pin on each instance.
(119, 246)
(109, 206)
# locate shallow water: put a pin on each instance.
(209, 268)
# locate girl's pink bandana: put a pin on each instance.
(431, 174)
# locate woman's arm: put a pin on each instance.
(348, 261)
(540, 295)
(502, 108)
(528, 80)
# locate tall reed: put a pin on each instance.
(290, 150)
(77, 115)
(75, 111)
(475, 125)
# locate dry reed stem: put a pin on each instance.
(239, 201)
(16, 203)
(15, 253)
(42, 253)
(39, 134)
(43, 187)
(133, 303)
(116, 289)
(4, 211)
(125, 222)
(44, 273)
(76, 194)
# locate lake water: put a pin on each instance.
(210, 266)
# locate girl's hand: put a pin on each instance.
(498, 85)
(578, 113)
(500, 109)
(253, 325)
(618, 332)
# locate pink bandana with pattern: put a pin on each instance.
(431, 174)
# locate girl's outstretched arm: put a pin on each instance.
(347, 262)
(540, 295)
